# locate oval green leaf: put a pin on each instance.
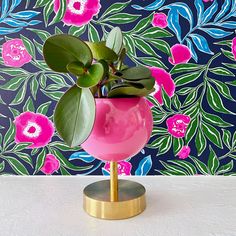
(92, 77)
(74, 115)
(101, 52)
(60, 50)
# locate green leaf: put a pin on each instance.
(228, 54)
(61, 12)
(43, 80)
(213, 162)
(185, 90)
(157, 142)
(215, 120)
(55, 95)
(215, 101)
(191, 130)
(223, 89)
(178, 143)
(34, 87)
(115, 8)
(192, 111)
(10, 134)
(92, 77)
(29, 105)
(60, 50)
(63, 147)
(93, 33)
(229, 65)
(144, 47)
(14, 71)
(176, 102)
(152, 61)
(186, 67)
(74, 115)
(161, 45)
(129, 44)
(192, 96)
(165, 145)
(43, 108)
(40, 160)
(123, 90)
(185, 165)
(77, 31)
(20, 95)
(121, 18)
(17, 166)
(43, 35)
(114, 40)
(28, 45)
(14, 83)
(226, 168)
(136, 73)
(76, 68)
(158, 130)
(2, 166)
(25, 157)
(14, 112)
(187, 78)
(40, 3)
(101, 52)
(226, 137)
(166, 99)
(174, 168)
(200, 142)
(212, 134)
(58, 79)
(221, 71)
(47, 10)
(200, 166)
(65, 163)
(234, 139)
(142, 24)
(64, 171)
(156, 32)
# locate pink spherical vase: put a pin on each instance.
(121, 129)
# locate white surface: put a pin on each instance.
(176, 206)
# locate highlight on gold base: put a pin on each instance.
(114, 199)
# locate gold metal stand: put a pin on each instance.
(114, 199)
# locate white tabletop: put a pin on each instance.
(176, 206)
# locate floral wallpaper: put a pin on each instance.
(190, 49)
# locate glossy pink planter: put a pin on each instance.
(122, 128)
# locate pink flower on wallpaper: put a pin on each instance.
(234, 47)
(124, 167)
(177, 125)
(162, 79)
(184, 152)
(14, 53)
(79, 12)
(34, 128)
(51, 164)
(160, 20)
(179, 54)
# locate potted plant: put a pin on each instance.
(105, 112)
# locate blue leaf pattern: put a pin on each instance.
(144, 166)
(83, 156)
(151, 7)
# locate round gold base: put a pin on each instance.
(131, 200)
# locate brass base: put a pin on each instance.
(131, 200)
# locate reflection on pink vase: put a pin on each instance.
(122, 128)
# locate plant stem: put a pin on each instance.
(224, 156)
(99, 91)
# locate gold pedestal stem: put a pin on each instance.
(113, 181)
